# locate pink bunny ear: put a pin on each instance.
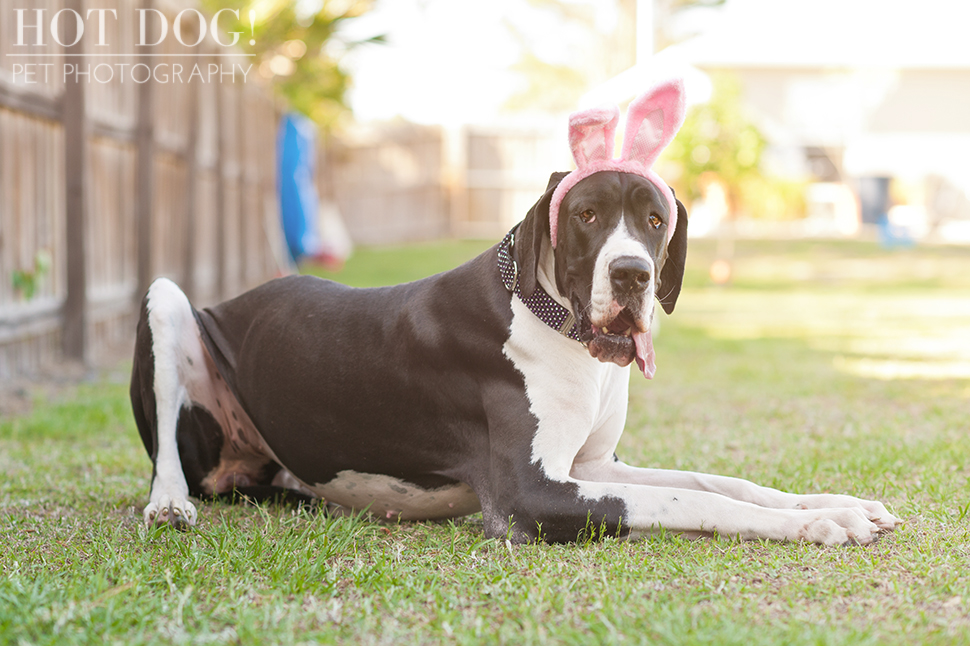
(652, 121)
(591, 135)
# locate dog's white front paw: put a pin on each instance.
(877, 513)
(874, 510)
(848, 526)
(175, 511)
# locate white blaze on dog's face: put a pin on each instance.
(613, 231)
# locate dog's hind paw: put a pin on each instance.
(176, 512)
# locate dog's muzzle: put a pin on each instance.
(620, 333)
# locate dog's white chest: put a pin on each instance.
(580, 403)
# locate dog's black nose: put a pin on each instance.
(629, 274)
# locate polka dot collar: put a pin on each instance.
(539, 302)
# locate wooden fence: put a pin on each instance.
(400, 183)
(111, 178)
(390, 184)
(502, 174)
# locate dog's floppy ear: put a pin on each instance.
(529, 236)
(672, 274)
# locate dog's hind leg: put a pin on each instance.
(168, 331)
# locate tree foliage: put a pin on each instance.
(717, 138)
(551, 87)
(718, 142)
(298, 48)
(591, 54)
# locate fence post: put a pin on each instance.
(222, 280)
(145, 175)
(191, 187)
(74, 121)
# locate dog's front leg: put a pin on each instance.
(540, 499)
(610, 470)
(649, 509)
(169, 323)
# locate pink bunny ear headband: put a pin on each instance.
(652, 121)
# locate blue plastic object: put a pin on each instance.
(296, 155)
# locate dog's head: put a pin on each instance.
(618, 234)
(614, 256)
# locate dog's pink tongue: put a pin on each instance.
(646, 359)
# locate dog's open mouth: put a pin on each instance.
(621, 343)
(613, 342)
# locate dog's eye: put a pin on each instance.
(588, 216)
(655, 221)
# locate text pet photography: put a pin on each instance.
(67, 28)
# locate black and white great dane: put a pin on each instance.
(456, 393)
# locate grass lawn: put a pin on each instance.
(824, 367)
